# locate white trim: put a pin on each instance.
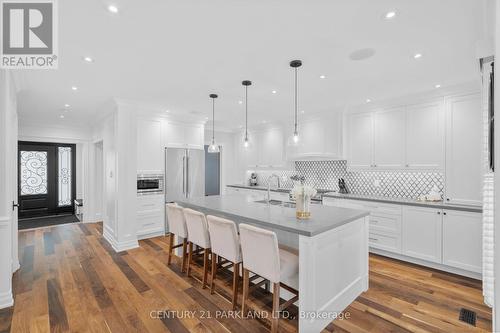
(6, 299)
(426, 263)
(119, 246)
(151, 234)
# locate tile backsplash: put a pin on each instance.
(399, 184)
(325, 175)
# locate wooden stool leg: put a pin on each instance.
(205, 267)
(190, 257)
(170, 245)
(214, 272)
(245, 292)
(236, 278)
(184, 255)
(276, 307)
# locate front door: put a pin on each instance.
(46, 179)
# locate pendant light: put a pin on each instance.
(213, 148)
(295, 64)
(246, 83)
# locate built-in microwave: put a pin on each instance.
(150, 184)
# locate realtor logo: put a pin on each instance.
(29, 35)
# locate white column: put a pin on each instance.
(5, 196)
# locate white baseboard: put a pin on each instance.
(425, 263)
(151, 234)
(6, 299)
(119, 246)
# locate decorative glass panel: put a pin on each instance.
(64, 172)
(33, 172)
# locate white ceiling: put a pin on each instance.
(174, 53)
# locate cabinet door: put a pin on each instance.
(421, 230)
(149, 148)
(272, 147)
(462, 240)
(389, 141)
(173, 135)
(194, 136)
(425, 136)
(463, 149)
(312, 138)
(360, 140)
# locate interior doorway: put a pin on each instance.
(212, 173)
(47, 179)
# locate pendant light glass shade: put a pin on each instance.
(213, 148)
(246, 83)
(294, 140)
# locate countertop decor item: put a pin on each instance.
(433, 195)
(213, 148)
(302, 195)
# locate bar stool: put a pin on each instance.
(177, 226)
(198, 235)
(263, 257)
(226, 244)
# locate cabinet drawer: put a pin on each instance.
(385, 222)
(150, 220)
(385, 242)
(382, 208)
(149, 203)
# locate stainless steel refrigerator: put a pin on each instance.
(184, 173)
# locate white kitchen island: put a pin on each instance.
(332, 245)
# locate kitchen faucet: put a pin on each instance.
(269, 185)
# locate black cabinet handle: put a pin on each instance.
(444, 213)
(14, 205)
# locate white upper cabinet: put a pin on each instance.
(402, 138)
(319, 138)
(425, 136)
(463, 149)
(149, 148)
(389, 139)
(360, 142)
(271, 148)
(179, 135)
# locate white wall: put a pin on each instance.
(8, 219)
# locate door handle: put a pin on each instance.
(14, 205)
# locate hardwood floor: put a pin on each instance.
(71, 280)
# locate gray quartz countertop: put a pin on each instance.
(239, 209)
(404, 201)
(261, 188)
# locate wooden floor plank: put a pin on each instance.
(72, 280)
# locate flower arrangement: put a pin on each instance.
(303, 190)
(302, 195)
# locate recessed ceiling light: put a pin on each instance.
(368, 100)
(167, 111)
(437, 86)
(274, 91)
(240, 102)
(88, 59)
(390, 15)
(67, 105)
(113, 9)
(322, 77)
(417, 56)
(74, 88)
(61, 116)
(302, 111)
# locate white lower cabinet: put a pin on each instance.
(422, 233)
(462, 235)
(150, 216)
(450, 238)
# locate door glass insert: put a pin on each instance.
(33, 172)
(64, 170)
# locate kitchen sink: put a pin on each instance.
(287, 204)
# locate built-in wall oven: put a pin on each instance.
(150, 184)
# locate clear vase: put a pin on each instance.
(303, 206)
